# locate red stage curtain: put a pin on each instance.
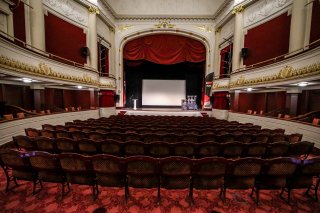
(165, 49)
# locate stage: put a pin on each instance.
(163, 112)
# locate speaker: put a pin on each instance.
(85, 51)
(116, 98)
(244, 52)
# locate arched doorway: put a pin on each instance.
(163, 57)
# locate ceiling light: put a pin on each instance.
(26, 80)
(303, 84)
(79, 87)
(249, 89)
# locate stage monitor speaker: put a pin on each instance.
(85, 51)
(244, 52)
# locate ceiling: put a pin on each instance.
(169, 8)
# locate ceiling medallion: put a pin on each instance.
(164, 24)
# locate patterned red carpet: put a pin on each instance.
(20, 199)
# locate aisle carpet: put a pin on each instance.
(20, 199)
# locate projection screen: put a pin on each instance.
(163, 92)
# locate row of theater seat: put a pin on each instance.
(169, 173)
(162, 149)
(168, 137)
(144, 129)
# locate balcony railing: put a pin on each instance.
(35, 50)
(279, 58)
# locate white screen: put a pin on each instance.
(163, 92)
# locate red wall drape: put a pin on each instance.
(64, 39)
(165, 49)
(268, 40)
(19, 22)
(220, 100)
(315, 29)
(106, 98)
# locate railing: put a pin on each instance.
(38, 51)
(107, 75)
(279, 58)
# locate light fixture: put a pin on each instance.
(249, 89)
(26, 80)
(79, 87)
(303, 84)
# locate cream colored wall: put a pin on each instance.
(165, 7)
(16, 127)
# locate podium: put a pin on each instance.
(134, 104)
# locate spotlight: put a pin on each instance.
(79, 87)
(26, 80)
(249, 89)
(303, 84)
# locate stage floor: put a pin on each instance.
(164, 111)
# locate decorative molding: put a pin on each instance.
(92, 9)
(218, 86)
(69, 9)
(124, 27)
(43, 70)
(218, 30)
(238, 9)
(165, 24)
(263, 9)
(222, 8)
(205, 28)
(286, 73)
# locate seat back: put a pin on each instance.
(109, 170)
(208, 173)
(134, 148)
(112, 147)
(24, 142)
(159, 149)
(302, 148)
(175, 172)
(208, 149)
(77, 168)
(66, 145)
(45, 144)
(142, 172)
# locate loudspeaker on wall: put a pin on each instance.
(85, 51)
(244, 52)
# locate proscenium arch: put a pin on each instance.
(144, 33)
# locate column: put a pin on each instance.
(237, 37)
(216, 65)
(298, 24)
(37, 25)
(93, 39)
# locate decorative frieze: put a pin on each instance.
(69, 9)
(43, 70)
(205, 28)
(263, 9)
(165, 24)
(286, 73)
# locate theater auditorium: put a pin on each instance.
(162, 106)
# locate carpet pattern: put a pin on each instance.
(20, 199)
